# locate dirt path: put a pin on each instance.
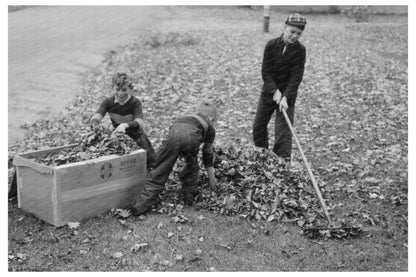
(50, 46)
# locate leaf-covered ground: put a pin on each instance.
(351, 118)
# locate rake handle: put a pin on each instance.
(314, 183)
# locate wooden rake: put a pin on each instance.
(351, 231)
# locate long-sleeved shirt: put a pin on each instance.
(282, 71)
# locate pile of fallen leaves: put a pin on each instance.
(253, 184)
(98, 143)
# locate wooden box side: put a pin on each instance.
(102, 170)
(92, 187)
(34, 192)
(76, 208)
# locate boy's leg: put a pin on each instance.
(189, 178)
(263, 114)
(155, 182)
(144, 142)
(283, 137)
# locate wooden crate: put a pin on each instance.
(80, 190)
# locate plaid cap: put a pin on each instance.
(296, 20)
(121, 80)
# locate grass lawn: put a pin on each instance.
(352, 123)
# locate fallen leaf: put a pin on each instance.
(117, 255)
(229, 247)
(21, 256)
(270, 218)
(201, 217)
(73, 225)
(373, 195)
(301, 222)
(138, 246)
(123, 213)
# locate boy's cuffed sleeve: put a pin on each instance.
(137, 122)
(141, 123)
(133, 124)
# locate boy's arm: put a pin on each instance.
(138, 121)
(267, 68)
(99, 114)
(211, 176)
(208, 154)
(208, 160)
(296, 76)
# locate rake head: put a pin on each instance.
(332, 232)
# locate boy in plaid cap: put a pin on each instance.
(282, 72)
(126, 114)
(184, 139)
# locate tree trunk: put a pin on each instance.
(266, 19)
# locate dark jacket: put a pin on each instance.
(282, 71)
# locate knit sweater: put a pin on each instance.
(126, 113)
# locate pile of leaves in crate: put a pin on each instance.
(255, 185)
(95, 144)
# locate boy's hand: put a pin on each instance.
(121, 128)
(212, 182)
(95, 122)
(283, 104)
(277, 96)
(211, 177)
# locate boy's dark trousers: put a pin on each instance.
(183, 140)
(283, 137)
